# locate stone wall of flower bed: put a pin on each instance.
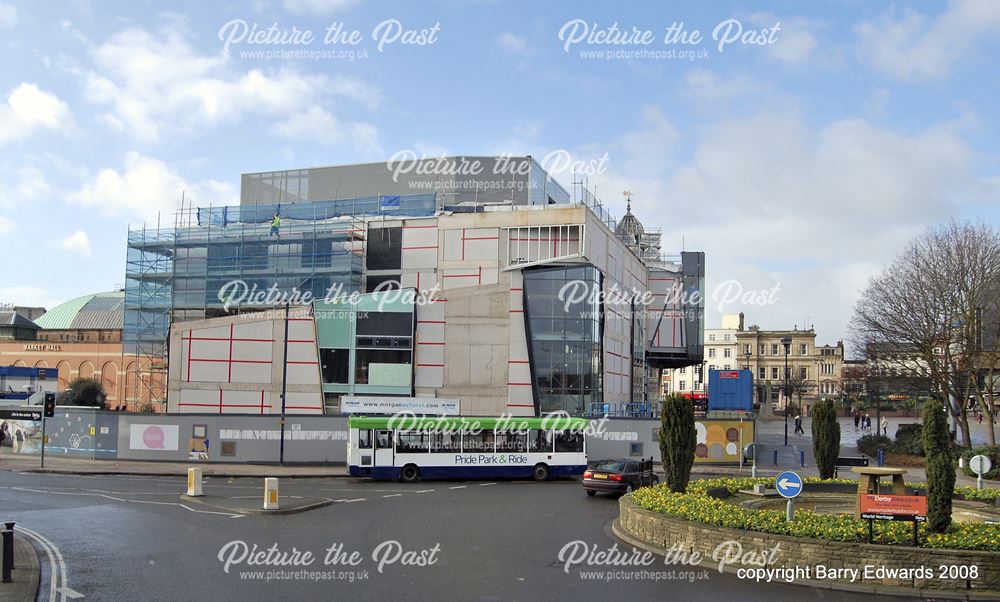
(662, 532)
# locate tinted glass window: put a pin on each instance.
(372, 323)
(364, 357)
(385, 248)
(335, 365)
(365, 439)
(381, 283)
(565, 336)
(511, 442)
(445, 443)
(413, 442)
(567, 441)
(383, 439)
(609, 466)
(539, 441)
(481, 442)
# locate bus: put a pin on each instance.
(410, 448)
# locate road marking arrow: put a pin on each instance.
(69, 592)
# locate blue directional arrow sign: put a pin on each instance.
(788, 484)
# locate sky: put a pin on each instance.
(800, 145)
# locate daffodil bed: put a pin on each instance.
(697, 505)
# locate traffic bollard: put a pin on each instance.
(194, 483)
(802, 458)
(8, 554)
(9, 525)
(881, 457)
(271, 494)
(775, 457)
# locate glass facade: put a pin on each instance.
(565, 336)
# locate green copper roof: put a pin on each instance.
(94, 311)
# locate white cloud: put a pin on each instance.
(706, 87)
(513, 43)
(30, 185)
(774, 199)
(155, 83)
(912, 47)
(318, 125)
(6, 225)
(77, 242)
(29, 109)
(318, 7)
(8, 16)
(27, 296)
(146, 187)
(796, 40)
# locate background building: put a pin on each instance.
(813, 371)
(721, 353)
(500, 336)
(81, 338)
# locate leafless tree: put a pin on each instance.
(929, 304)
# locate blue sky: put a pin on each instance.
(803, 163)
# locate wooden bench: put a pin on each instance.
(849, 461)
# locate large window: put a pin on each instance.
(385, 248)
(565, 336)
(481, 442)
(413, 442)
(335, 365)
(511, 441)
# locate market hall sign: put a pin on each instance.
(41, 347)
(893, 507)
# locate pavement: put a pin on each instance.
(25, 576)
(773, 457)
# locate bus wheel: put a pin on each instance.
(540, 472)
(410, 473)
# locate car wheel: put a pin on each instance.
(591, 493)
(540, 472)
(409, 474)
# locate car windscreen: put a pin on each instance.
(609, 466)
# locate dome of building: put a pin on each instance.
(630, 228)
(97, 311)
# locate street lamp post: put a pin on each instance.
(787, 342)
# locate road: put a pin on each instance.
(133, 538)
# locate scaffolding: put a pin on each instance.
(214, 259)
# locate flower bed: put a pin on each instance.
(697, 505)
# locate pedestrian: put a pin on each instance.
(884, 426)
(867, 422)
(275, 224)
(857, 419)
(798, 425)
(3, 434)
(979, 418)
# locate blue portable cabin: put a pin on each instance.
(730, 390)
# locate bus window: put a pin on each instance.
(445, 443)
(364, 438)
(478, 443)
(539, 441)
(411, 442)
(569, 441)
(508, 441)
(383, 439)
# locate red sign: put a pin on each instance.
(880, 506)
(731, 374)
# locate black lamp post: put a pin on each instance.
(787, 342)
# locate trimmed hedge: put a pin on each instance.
(697, 505)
